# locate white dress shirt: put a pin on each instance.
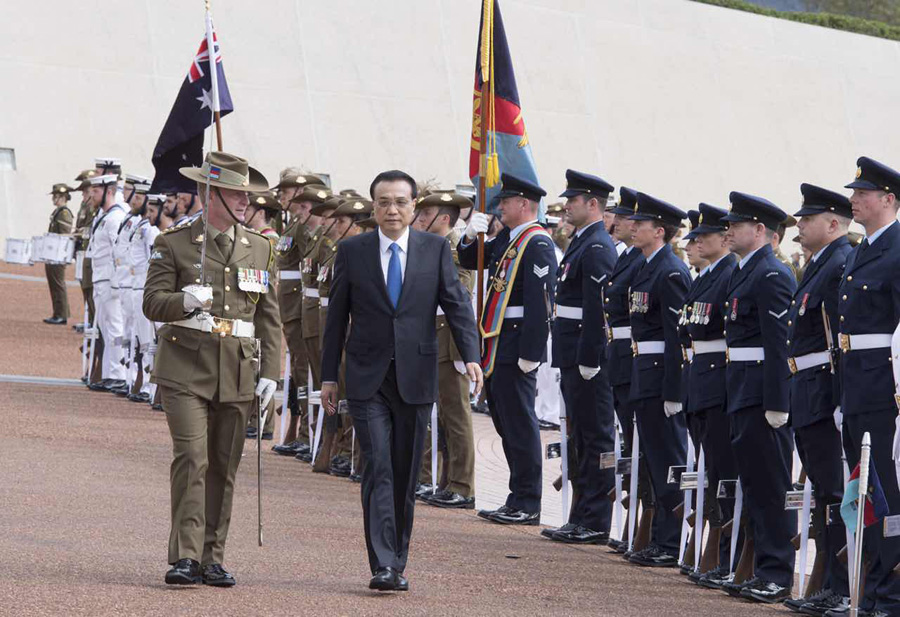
(747, 258)
(878, 233)
(384, 251)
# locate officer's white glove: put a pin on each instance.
(197, 297)
(265, 390)
(838, 418)
(588, 372)
(671, 408)
(776, 419)
(478, 224)
(526, 366)
(896, 449)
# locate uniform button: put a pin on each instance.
(844, 297)
(227, 308)
(196, 280)
(842, 318)
(865, 287)
(759, 361)
(294, 289)
(790, 323)
(174, 338)
(606, 299)
(515, 325)
(726, 305)
(788, 341)
(227, 288)
(712, 365)
(793, 302)
(656, 364)
(221, 335)
(850, 278)
(227, 269)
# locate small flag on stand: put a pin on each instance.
(876, 505)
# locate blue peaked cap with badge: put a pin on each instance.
(874, 176)
(627, 199)
(746, 208)
(817, 200)
(650, 208)
(693, 222)
(709, 221)
(511, 186)
(578, 183)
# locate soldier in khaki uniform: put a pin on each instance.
(290, 249)
(437, 213)
(61, 222)
(778, 238)
(83, 221)
(205, 366)
(335, 450)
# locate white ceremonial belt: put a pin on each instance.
(323, 302)
(289, 275)
(217, 325)
(745, 354)
(311, 292)
(514, 312)
(646, 348)
(801, 363)
(440, 312)
(716, 346)
(859, 342)
(569, 312)
(621, 333)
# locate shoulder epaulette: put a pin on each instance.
(176, 228)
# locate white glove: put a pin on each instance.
(478, 224)
(197, 297)
(776, 419)
(671, 408)
(896, 449)
(265, 390)
(838, 418)
(588, 372)
(526, 366)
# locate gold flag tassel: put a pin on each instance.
(492, 160)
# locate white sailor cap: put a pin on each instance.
(156, 198)
(104, 180)
(142, 187)
(107, 161)
(136, 179)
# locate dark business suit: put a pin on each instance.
(391, 371)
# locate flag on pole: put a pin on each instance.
(506, 145)
(876, 505)
(181, 142)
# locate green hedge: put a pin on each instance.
(826, 20)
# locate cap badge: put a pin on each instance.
(858, 173)
(260, 200)
(700, 219)
(358, 206)
(446, 197)
(321, 194)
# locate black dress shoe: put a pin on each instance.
(716, 579)
(288, 449)
(490, 514)
(766, 592)
(544, 425)
(140, 397)
(304, 455)
(215, 575)
(157, 407)
(184, 572)
(385, 579)
(268, 436)
(695, 576)
(423, 489)
(251, 432)
(340, 471)
(449, 499)
(795, 604)
(355, 477)
(115, 384)
(123, 391)
(402, 583)
(654, 557)
(549, 531)
(580, 535)
(99, 386)
(55, 321)
(734, 589)
(517, 517)
(820, 603)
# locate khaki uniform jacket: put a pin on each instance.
(61, 221)
(447, 350)
(289, 251)
(319, 245)
(204, 363)
(326, 272)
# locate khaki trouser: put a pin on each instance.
(252, 420)
(293, 334)
(207, 442)
(56, 280)
(314, 356)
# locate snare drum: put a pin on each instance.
(56, 249)
(18, 251)
(36, 243)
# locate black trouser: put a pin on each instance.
(589, 405)
(663, 444)
(882, 584)
(392, 436)
(625, 413)
(819, 447)
(764, 457)
(510, 396)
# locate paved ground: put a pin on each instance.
(84, 519)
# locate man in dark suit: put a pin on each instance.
(389, 285)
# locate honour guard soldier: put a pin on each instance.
(703, 320)
(290, 250)
(217, 315)
(104, 231)
(869, 311)
(61, 222)
(438, 214)
(83, 232)
(579, 351)
(812, 337)
(515, 325)
(757, 378)
(657, 296)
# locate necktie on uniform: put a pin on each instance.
(224, 243)
(394, 275)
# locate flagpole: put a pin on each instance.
(860, 522)
(213, 75)
(482, 193)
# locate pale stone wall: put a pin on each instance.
(682, 100)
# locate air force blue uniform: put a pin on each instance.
(757, 376)
(510, 392)
(815, 389)
(657, 296)
(579, 340)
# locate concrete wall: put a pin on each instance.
(679, 99)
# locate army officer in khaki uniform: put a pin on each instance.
(205, 365)
(61, 222)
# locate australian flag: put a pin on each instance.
(510, 140)
(181, 142)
